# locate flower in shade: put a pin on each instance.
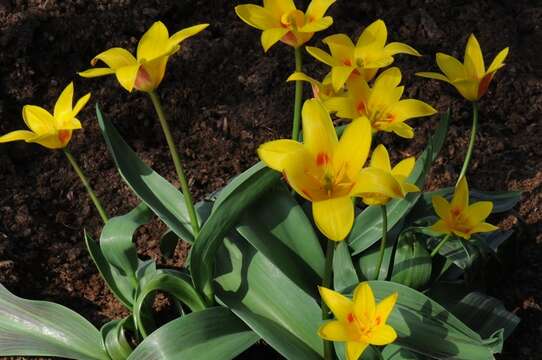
(51, 131)
(381, 104)
(359, 322)
(471, 78)
(280, 20)
(460, 218)
(369, 54)
(324, 170)
(144, 73)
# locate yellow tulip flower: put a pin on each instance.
(363, 59)
(471, 78)
(460, 218)
(153, 51)
(281, 21)
(380, 165)
(381, 104)
(51, 131)
(359, 322)
(324, 170)
(320, 90)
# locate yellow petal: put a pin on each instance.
(184, 34)
(353, 148)
(341, 40)
(474, 61)
(385, 307)
(279, 7)
(319, 135)
(433, 75)
(461, 195)
(402, 130)
(354, 350)
(404, 167)
(318, 8)
(339, 75)
(39, 120)
(484, 227)
(377, 181)
(317, 25)
(382, 335)
(410, 108)
(322, 56)
(442, 206)
(408, 188)
(333, 331)
(156, 70)
(271, 36)
(440, 227)
(274, 153)
(114, 58)
(342, 106)
(498, 62)
(451, 67)
(334, 217)
(461, 233)
(52, 141)
(17, 135)
(299, 76)
(127, 75)
(394, 48)
(90, 73)
(388, 79)
(339, 304)
(80, 104)
(380, 158)
(154, 43)
(256, 16)
(63, 105)
(364, 303)
(467, 88)
(374, 33)
(478, 212)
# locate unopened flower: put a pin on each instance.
(280, 20)
(153, 51)
(51, 131)
(359, 322)
(470, 78)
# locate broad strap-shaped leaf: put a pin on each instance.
(396, 352)
(273, 306)
(40, 328)
(231, 202)
(115, 340)
(344, 272)
(213, 333)
(155, 191)
(412, 263)
(367, 227)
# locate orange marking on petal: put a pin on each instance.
(350, 318)
(143, 80)
(378, 320)
(289, 39)
(347, 62)
(322, 159)
(306, 193)
(361, 108)
(390, 118)
(484, 84)
(64, 136)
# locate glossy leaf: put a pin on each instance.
(115, 341)
(344, 272)
(396, 352)
(412, 263)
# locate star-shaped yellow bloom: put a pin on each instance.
(471, 78)
(324, 170)
(320, 90)
(381, 104)
(360, 322)
(280, 20)
(153, 51)
(460, 218)
(51, 131)
(368, 55)
(379, 168)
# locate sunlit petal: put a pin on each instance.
(333, 331)
(274, 153)
(114, 58)
(385, 307)
(271, 36)
(461, 195)
(63, 105)
(353, 148)
(478, 212)
(17, 135)
(39, 120)
(318, 8)
(339, 304)
(394, 48)
(474, 57)
(374, 33)
(404, 167)
(442, 206)
(383, 335)
(498, 62)
(354, 350)
(127, 75)
(451, 67)
(334, 217)
(154, 43)
(184, 34)
(380, 158)
(319, 135)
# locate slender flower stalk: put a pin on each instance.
(298, 95)
(326, 283)
(176, 161)
(471, 142)
(440, 244)
(383, 241)
(84, 180)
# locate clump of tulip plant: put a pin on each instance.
(324, 249)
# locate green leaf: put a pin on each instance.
(367, 227)
(396, 352)
(232, 201)
(344, 272)
(155, 191)
(168, 243)
(273, 306)
(40, 328)
(412, 263)
(277, 227)
(213, 333)
(114, 339)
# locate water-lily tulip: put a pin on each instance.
(369, 54)
(280, 20)
(470, 78)
(359, 322)
(52, 131)
(144, 73)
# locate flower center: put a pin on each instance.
(326, 181)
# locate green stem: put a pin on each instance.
(439, 245)
(85, 182)
(176, 161)
(384, 240)
(471, 141)
(298, 96)
(327, 282)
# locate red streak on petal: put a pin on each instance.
(322, 159)
(361, 108)
(347, 62)
(143, 80)
(378, 320)
(64, 136)
(350, 318)
(390, 118)
(484, 84)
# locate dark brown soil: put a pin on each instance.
(225, 96)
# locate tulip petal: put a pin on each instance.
(274, 153)
(271, 36)
(388, 79)
(408, 188)
(341, 40)
(319, 135)
(154, 43)
(90, 73)
(478, 212)
(353, 148)
(39, 120)
(460, 200)
(433, 75)
(114, 58)
(156, 69)
(451, 67)
(127, 75)
(468, 89)
(17, 135)
(383, 335)
(385, 307)
(334, 217)
(279, 7)
(257, 16)
(52, 141)
(80, 104)
(484, 227)
(380, 158)
(339, 304)
(184, 34)
(342, 106)
(321, 55)
(498, 62)
(318, 8)
(404, 167)
(377, 181)
(409, 109)
(317, 25)
(441, 206)
(64, 103)
(376, 33)
(333, 331)
(394, 48)
(339, 75)
(474, 60)
(401, 129)
(364, 303)
(354, 350)
(440, 227)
